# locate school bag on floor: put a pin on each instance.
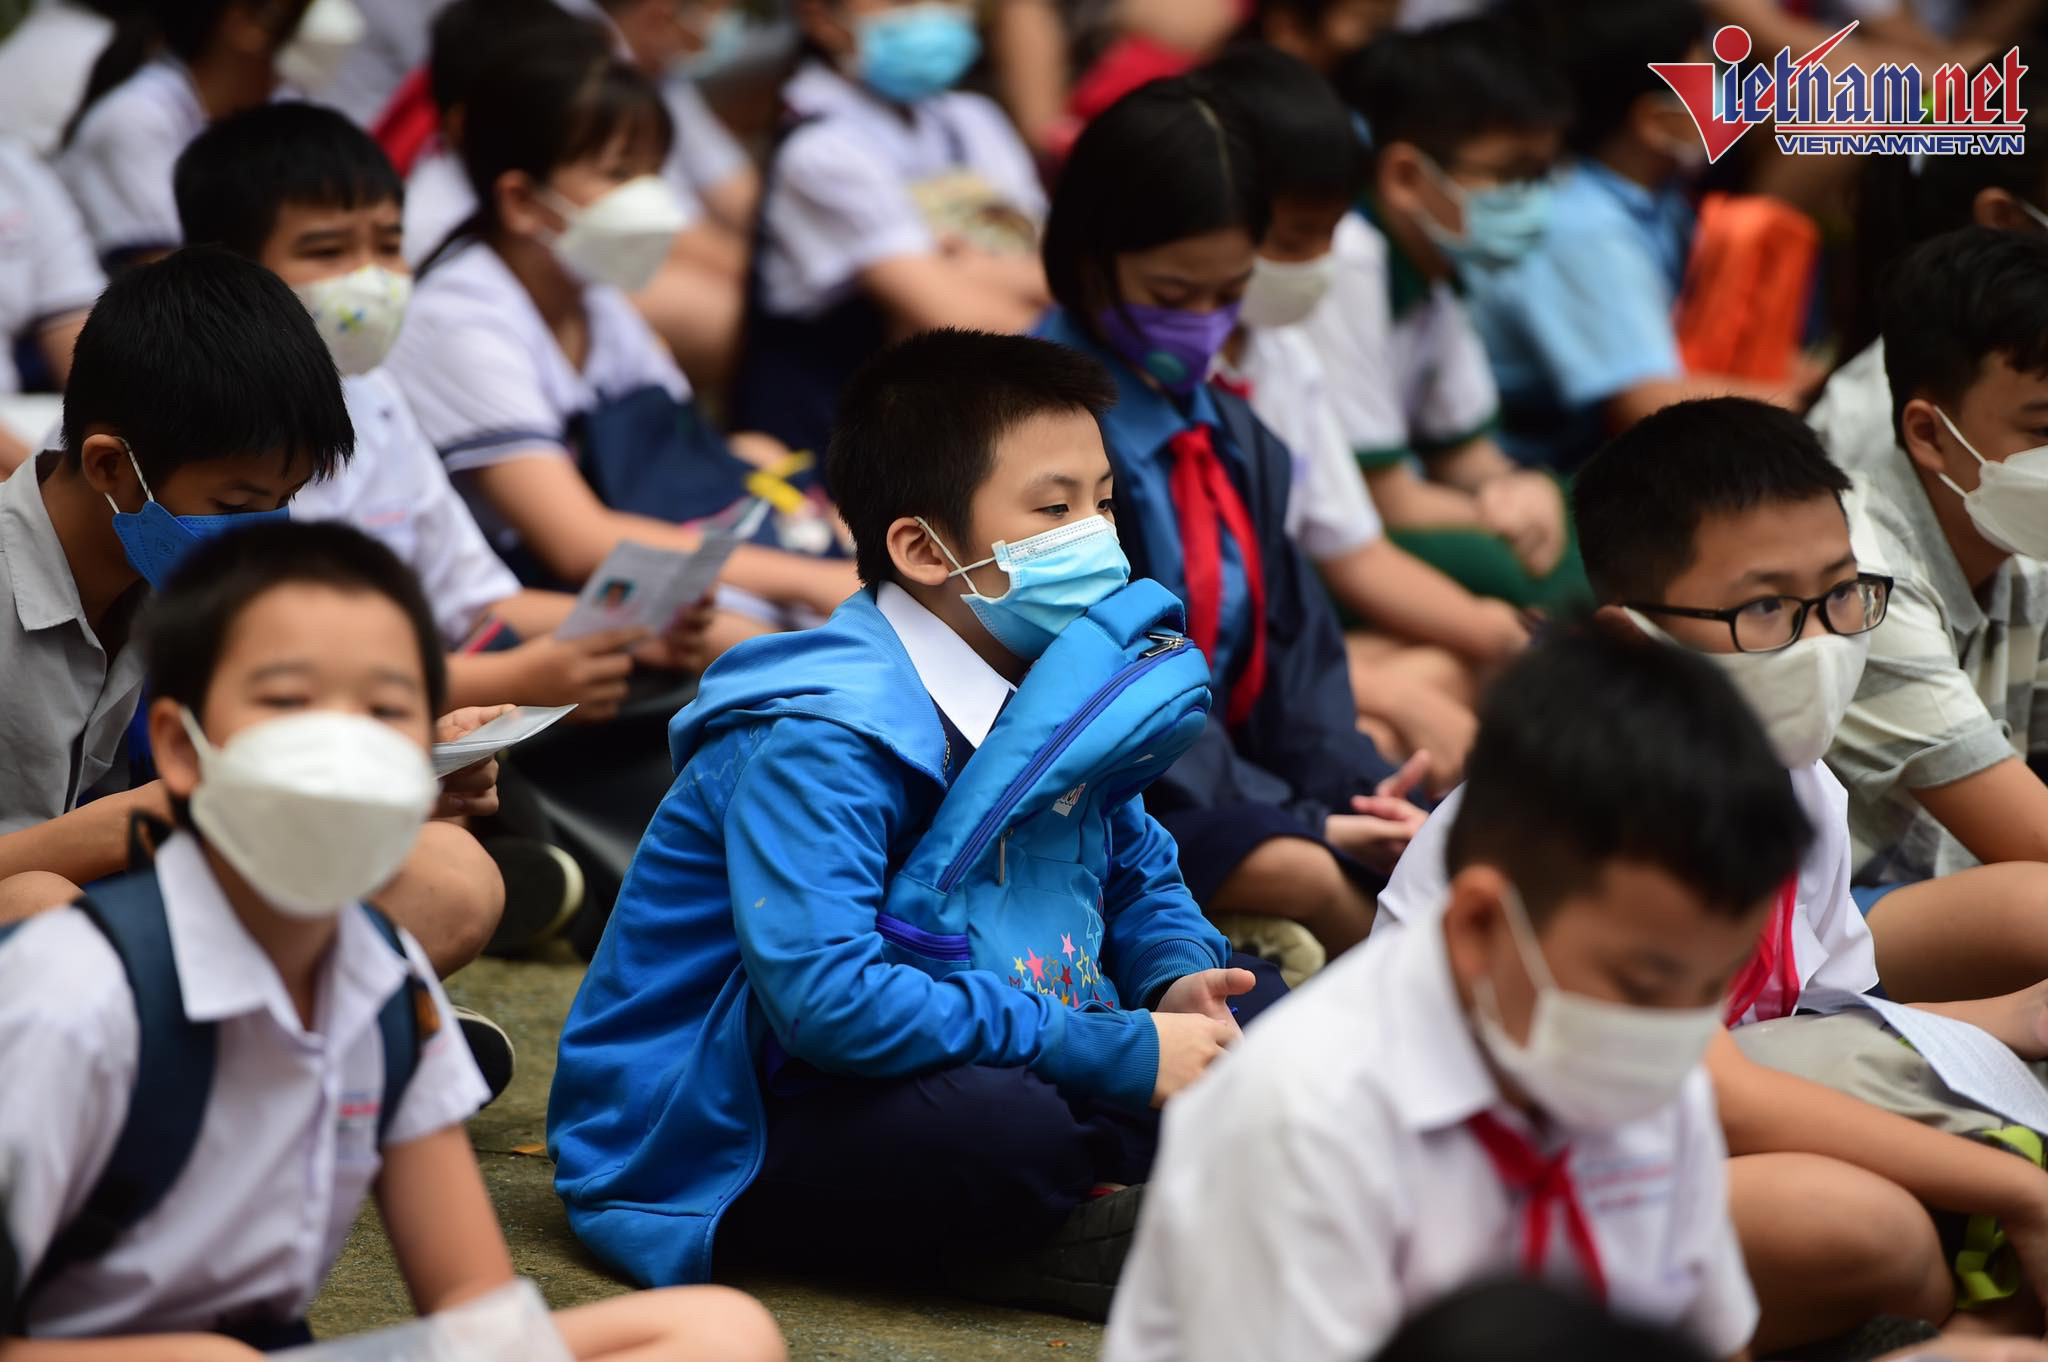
(1008, 877)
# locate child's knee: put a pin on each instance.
(1818, 1220)
(717, 1322)
(31, 892)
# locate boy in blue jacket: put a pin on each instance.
(772, 1056)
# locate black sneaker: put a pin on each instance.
(490, 1047)
(543, 890)
(1072, 1273)
(1878, 1336)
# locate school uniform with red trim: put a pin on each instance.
(1202, 488)
(1353, 1160)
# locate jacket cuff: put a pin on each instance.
(1152, 973)
(1112, 1055)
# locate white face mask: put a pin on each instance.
(314, 810)
(315, 51)
(622, 238)
(2010, 506)
(1799, 693)
(1590, 1064)
(1283, 293)
(358, 314)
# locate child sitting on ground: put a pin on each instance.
(218, 1056)
(869, 1004)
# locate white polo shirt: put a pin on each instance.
(395, 490)
(1415, 375)
(47, 269)
(1320, 1183)
(1329, 509)
(966, 688)
(1830, 941)
(484, 374)
(840, 199)
(44, 65)
(287, 1147)
(437, 199)
(119, 165)
(705, 153)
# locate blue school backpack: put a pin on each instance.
(174, 1075)
(1007, 877)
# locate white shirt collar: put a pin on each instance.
(223, 973)
(1430, 1057)
(969, 691)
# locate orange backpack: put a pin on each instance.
(1743, 308)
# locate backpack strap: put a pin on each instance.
(173, 1078)
(400, 1024)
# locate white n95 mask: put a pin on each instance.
(358, 314)
(1590, 1064)
(1283, 293)
(314, 810)
(2010, 506)
(621, 238)
(1055, 577)
(312, 56)
(1799, 693)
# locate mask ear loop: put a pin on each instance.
(958, 569)
(136, 464)
(1964, 442)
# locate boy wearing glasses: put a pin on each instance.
(1717, 526)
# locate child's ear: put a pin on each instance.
(519, 204)
(104, 461)
(1474, 913)
(1999, 210)
(1615, 621)
(177, 760)
(1922, 433)
(915, 555)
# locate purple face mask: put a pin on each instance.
(1168, 344)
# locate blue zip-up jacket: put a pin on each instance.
(808, 768)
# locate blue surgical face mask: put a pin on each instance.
(155, 540)
(724, 40)
(1055, 577)
(917, 51)
(1503, 222)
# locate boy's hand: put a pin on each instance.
(1188, 1045)
(471, 792)
(589, 672)
(685, 645)
(1526, 508)
(2026, 1229)
(1207, 993)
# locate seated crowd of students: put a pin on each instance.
(1240, 514)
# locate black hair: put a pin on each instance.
(469, 36)
(1164, 163)
(1902, 201)
(1439, 88)
(1301, 135)
(185, 626)
(205, 355)
(233, 178)
(184, 28)
(1513, 1318)
(918, 427)
(1955, 302)
(1596, 747)
(1604, 49)
(548, 104)
(1638, 503)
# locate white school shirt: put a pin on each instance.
(966, 688)
(1319, 1184)
(287, 1147)
(484, 375)
(119, 165)
(839, 198)
(1830, 941)
(47, 269)
(1329, 509)
(395, 490)
(1415, 375)
(705, 152)
(44, 64)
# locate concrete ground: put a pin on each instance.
(820, 1320)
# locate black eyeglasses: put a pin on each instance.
(1769, 623)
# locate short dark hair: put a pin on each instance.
(1638, 503)
(1604, 49)
(919, 424)
(1164, 163)
(1515, 1317)
(1955, 302)
(185, 625)
(1439, 88)
(1301, 135)
(184, 28)
(233, 178)
(469, 36)
(205, 355)
(1596, 747)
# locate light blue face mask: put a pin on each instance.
(1503, 222)
(917, 51)
(724, 40)
(1054, 578)
(156, 541)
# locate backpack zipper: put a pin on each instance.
(1164, 645)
